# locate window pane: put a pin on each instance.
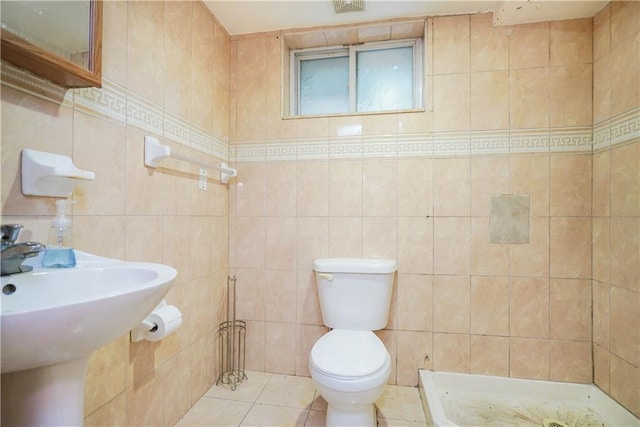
(324, 86)
(384, 79)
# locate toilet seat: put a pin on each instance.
(349, 355)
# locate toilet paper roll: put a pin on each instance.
(167, 319)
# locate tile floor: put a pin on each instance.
(280, 400)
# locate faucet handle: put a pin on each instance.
(10, 233)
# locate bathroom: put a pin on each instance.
(549, 110)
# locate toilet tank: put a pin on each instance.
(355, 293)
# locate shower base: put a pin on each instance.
(451, 399)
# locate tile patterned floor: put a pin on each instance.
(279, 400)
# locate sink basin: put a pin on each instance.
(57, 317)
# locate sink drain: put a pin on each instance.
(548, 422)
(8, 289)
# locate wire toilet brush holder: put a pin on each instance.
(231, 338)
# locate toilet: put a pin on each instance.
(350, 365)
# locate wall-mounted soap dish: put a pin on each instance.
(48, 174)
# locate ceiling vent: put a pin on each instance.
(342, 6)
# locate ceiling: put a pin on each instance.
(254, 16)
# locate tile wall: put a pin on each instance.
(509, 111)
(165, 74)
(616, 203)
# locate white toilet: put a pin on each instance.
(350, 365)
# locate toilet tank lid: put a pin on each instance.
(355, 265)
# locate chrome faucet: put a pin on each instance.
(14, 254)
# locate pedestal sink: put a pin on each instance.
(52, 319)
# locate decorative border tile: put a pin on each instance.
(602, 135)
(490, 142)
(415, 145)
(452, 144)
(379, 147)
(529, 141)
(571, 140)
(625, 127)
(345, 148)
(24, 81)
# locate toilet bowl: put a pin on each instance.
(350, 365)
(350, 369)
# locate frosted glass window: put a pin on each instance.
(384, 79)
(324, 86)
(377, 76)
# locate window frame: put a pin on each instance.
(298, 55)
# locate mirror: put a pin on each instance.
(58, 40)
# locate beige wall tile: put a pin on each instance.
(112, 230)
(570, 186)
(312, 241)
(571, 309)
(487, 259)
(529, 358)
(312, 188)
(111, 414)
(280, 338)
(280, 296)
(601, 315)
(345, 237)
(489, 100)
(379, 183)
(624, 253)
(451, 104)
(530, 174)
(489, 306)
(307, 303)
(280, 197)
(489, 355)
(571, 88)
(528, 97)
(625, 75)
(602, 32)
(255, 349)
(624, 318)
(414, 352)
(600, 249)
(105, 375)
(625, 20)
(451, 248)
(532, 259)
(250, 242)
(571, 41)
(380, 237)
(529, 308)
(529, 46)
(114, 41)
(380, 124)
(570, 247)
(280, 247)
(415, 245)
(602, 88)
(415, 187)
(625, 180)
(571, 361)
(601, 179)
(345, 188)
(145, 59)
(250, 289)
(176, 383)
(452, 187)
(307, 335)
(451, 353)
(625, 383)
(601, 368)
(489, 176)
(451, 44)
(415, 302)
(489, 44)
(451, 301)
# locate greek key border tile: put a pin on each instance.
(24, 81)
(280, 151)
(415, 145)
(602, 135)
(452, 144)
(379, 147)
(571, 140)
(625, 127)
(529, 141)
(346, 148)
(490, 142)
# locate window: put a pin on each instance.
(380, 76)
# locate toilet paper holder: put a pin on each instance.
(165, 317)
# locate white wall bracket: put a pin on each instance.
(154, 152)
(51, 175)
